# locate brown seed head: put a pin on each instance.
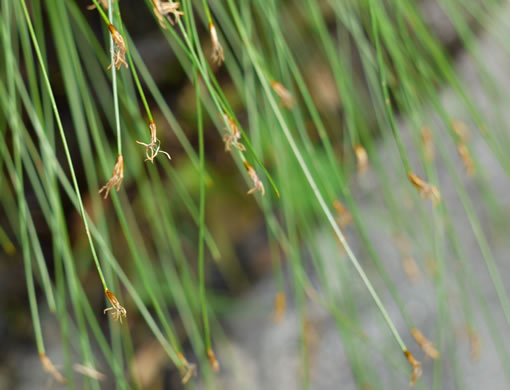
(428, 143)
(257, 183)
(103, 3)
(425, 344)
(153, 148)
(119, 55)
(233, 135)
(466, 158)
(118, 311)
(287, 100)
(163, 10)
(117, 176)
(187, 370)
(362, 158)
(217, 53)
(425, 189)
(460, 129)
(416, 367)
(344, 216)
(51, 369)
(279, 306)
(212, 360)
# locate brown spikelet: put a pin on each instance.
(279, 306)
(466, 158)
(411, 268)
(361, 158)
(426, 190)
(426, 345)
(187, 370)
(163, 9)
(286, 98)
(428, 143)
(117, 177)
(460, 129)
(119, 57)
(257, 183)
(103, 3)
(233, 135)
(51, 369)
(217, 55)
(154, 147)
(118, 312)
(212, 360)
(416, 367)
(344, 216)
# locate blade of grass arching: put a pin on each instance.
(313, 184)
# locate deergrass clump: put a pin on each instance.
(159, 242)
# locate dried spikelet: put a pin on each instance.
(212, 360)
(119, 55)
(117, 176)
(89, 371)
(475, 342)
(187, 370)
(415, 365)
(163, 10)
(103, 3)
(257, 183)
(426, 345)
(428, 143)
(460, 129)
(51, 369)
(286, 98)
(427, 191)
(361, 158)
(466, 158)
(411, 268)
(344, 216)
(217, 53)
(153, 148)
(118, 311)
(233, 135)
(279, 306)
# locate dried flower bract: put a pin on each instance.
(212, 360)
(279, 306)
(163, 10)
(217, 53)
(361, 158)
(233, 135)
(428, 144)
(187, 370)
(286, 97)
(466, 158)
(415, 365)
(344, 216)
(119, 55)
(117, 176)
(118, 312)
(89, 371)
(104, 4)
(427, 191)
(51, 369)
(153, 148)
(257, 183)
(426, 345)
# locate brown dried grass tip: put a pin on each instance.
(416, 367)
(426, 190)
(280, 304)
(287, 100)
(118, 312)
(426, 345)
(466, 158)
(51, 369)
(257, 183)
(460, 129)
(187, 370)
(89, 372)
(233, 135)
(344, 216)
(217, 55)
(119, 54)
(117, 176)
(212, 360)
(104, 4)
(163, 10)
(361, 158)
(153, 148)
